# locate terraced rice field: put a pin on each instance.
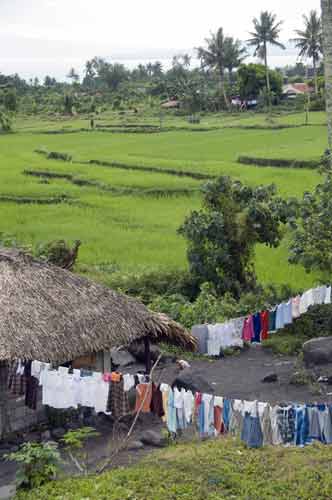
(127, 204)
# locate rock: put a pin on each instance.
(318, 351)
(272, 377)
(46, 436)
(137, 349)
(135, 445)
(153, 438)
(121, 357)
(192, 381)
(58, 433)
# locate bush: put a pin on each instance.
(54, 155)
(277, 162)
(317, 322)
(39, 463)
(208, 308)
(150, 284)
(317, 104)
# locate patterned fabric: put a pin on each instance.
(16, 383)
(286, 423)
(118, 403)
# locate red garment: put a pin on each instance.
(143, 398)
(248, 329)
(265, 325)
(218, 422)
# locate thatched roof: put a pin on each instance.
(51, 314)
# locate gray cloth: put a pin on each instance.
(201, 332)
(314, 424)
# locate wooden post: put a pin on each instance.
(4, 417)
(147, 355)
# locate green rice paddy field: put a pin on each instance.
(127, 216)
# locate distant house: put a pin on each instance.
(171, 104)
(292, 90)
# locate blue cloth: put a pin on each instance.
(272, 320)
(227, 413)
(280, 322)
(288, 316)
(257, 327)
(252, 433)
(171, 413)
(301, 426)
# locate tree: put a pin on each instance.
(6, 122)
(10, 101)
(327, 49)
(252, 81)
(73, 76)
(213, 57)
(222, 235)
(311, 245)
(312, 237)
(235, 54)
(309, 41)
(266, 31)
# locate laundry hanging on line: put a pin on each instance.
(256, 423)
(255, 328)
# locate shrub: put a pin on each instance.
(39, 463)
(54, 155)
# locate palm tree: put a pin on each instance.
(235, 54)
(327, 52)
(266, 31)
(214, 57)
(309, 41)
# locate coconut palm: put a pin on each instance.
(213, 57)
(309, 41)
(266, 31)
(234, 53)
(327, 52)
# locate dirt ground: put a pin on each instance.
(239, 376)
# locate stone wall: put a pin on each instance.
(21, 417)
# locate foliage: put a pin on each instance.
(309, 40)
(317, 322)
(210, 470)
(252, 81)
(6, 121)
(311, 244)
(74, 442)
(234, 55)
(266, 32)
(209, 308)
(39, 463)
(222, 236)
(58, 253)
(214, 58)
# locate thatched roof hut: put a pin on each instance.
(51, 314)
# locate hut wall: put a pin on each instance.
(21, 417)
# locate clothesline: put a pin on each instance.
(256, 423)
(257, 327)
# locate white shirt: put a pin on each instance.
(327, 299)
(128, 382)
(188, 400)
(219, 401)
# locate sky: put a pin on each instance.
(39, 37)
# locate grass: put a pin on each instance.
(131, 231)
(213, 470)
